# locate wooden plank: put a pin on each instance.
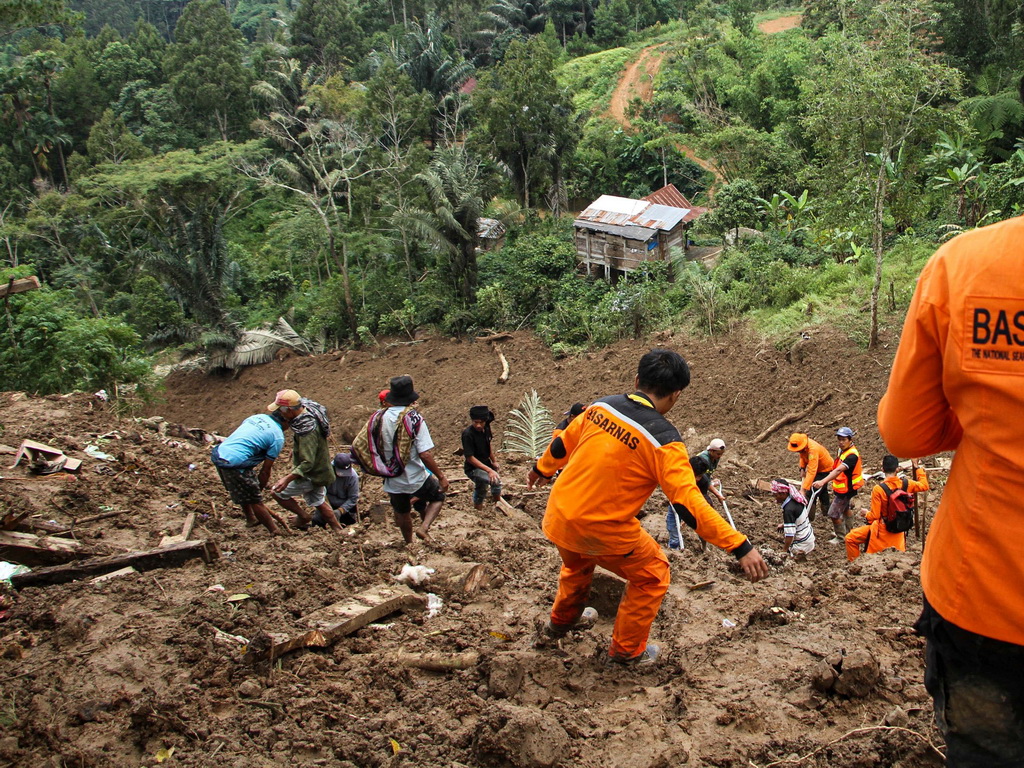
(32, 550)
(162, 557)
(505, 507)
(21, 285)
(113, 575)
(354, 613)
(186, 531)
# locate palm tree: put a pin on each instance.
(433, 66)
(455, 187)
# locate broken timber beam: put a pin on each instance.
(161, 557)
(494, 337)
(20, 285)
(27, 546)
(186, 531)
(335, 621)
(791, 417)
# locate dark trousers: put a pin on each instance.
(977, 684)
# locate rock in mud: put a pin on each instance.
(823, 676)
(859, 676)
(506, 677)
(526, 738)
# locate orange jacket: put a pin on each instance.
(842, 483)
(814, 458)
(956, 383)
(614, 455)
(881, 537)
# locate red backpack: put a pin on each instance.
(898, 510)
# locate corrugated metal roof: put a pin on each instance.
(670, 196)
(662, 210)
(642, 234)
(660, 217)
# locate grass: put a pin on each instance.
(593, 78)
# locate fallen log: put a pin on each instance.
(791, 417)
(438, 662)
(495, 337)
(161, 557)
(504, 365)
(333, 622)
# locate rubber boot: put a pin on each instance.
(850, 524)
(839, 528)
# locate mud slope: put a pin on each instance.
(111, 674)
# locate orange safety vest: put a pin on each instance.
(842, 480)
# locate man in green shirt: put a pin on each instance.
(311, 466)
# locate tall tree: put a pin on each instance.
(876, 94)
(206, 72)
(327, 33)
(455, 187)
(526, 120)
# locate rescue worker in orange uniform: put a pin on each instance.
(847, 477)
(815, 464)
(614, 456)
(957, 383)
(574, 410)
(875, 534)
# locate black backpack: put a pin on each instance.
(899, 510)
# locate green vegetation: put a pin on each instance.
(177, 174)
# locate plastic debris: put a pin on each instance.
(215, 588)
(11, 569)
(220, 636)
(101, 395)
(239, 597)
(414, 574)
(728, 623)
(191, 467)
(96, 453)
(434, 605)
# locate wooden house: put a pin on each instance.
(615, 235)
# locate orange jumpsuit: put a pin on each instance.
(957, 382)
(875, 533)
(814, 459)
(612, 457)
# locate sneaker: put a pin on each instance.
(586, 620)
(649, 656)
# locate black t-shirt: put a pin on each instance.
(475, 444)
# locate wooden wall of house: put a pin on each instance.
(598, 250)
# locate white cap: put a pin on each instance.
(718, 444)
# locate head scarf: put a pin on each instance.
(315, 416)
(794, 493)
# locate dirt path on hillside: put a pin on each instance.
(780, 24)
(637, 82)
(123, 672)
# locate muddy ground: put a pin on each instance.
(123, 672)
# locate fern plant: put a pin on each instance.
(529, 427)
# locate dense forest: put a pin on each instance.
(180, 172)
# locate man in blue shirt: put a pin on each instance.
(258, 440)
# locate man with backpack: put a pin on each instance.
(892, 511)
(311, 471)
(402, 422)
